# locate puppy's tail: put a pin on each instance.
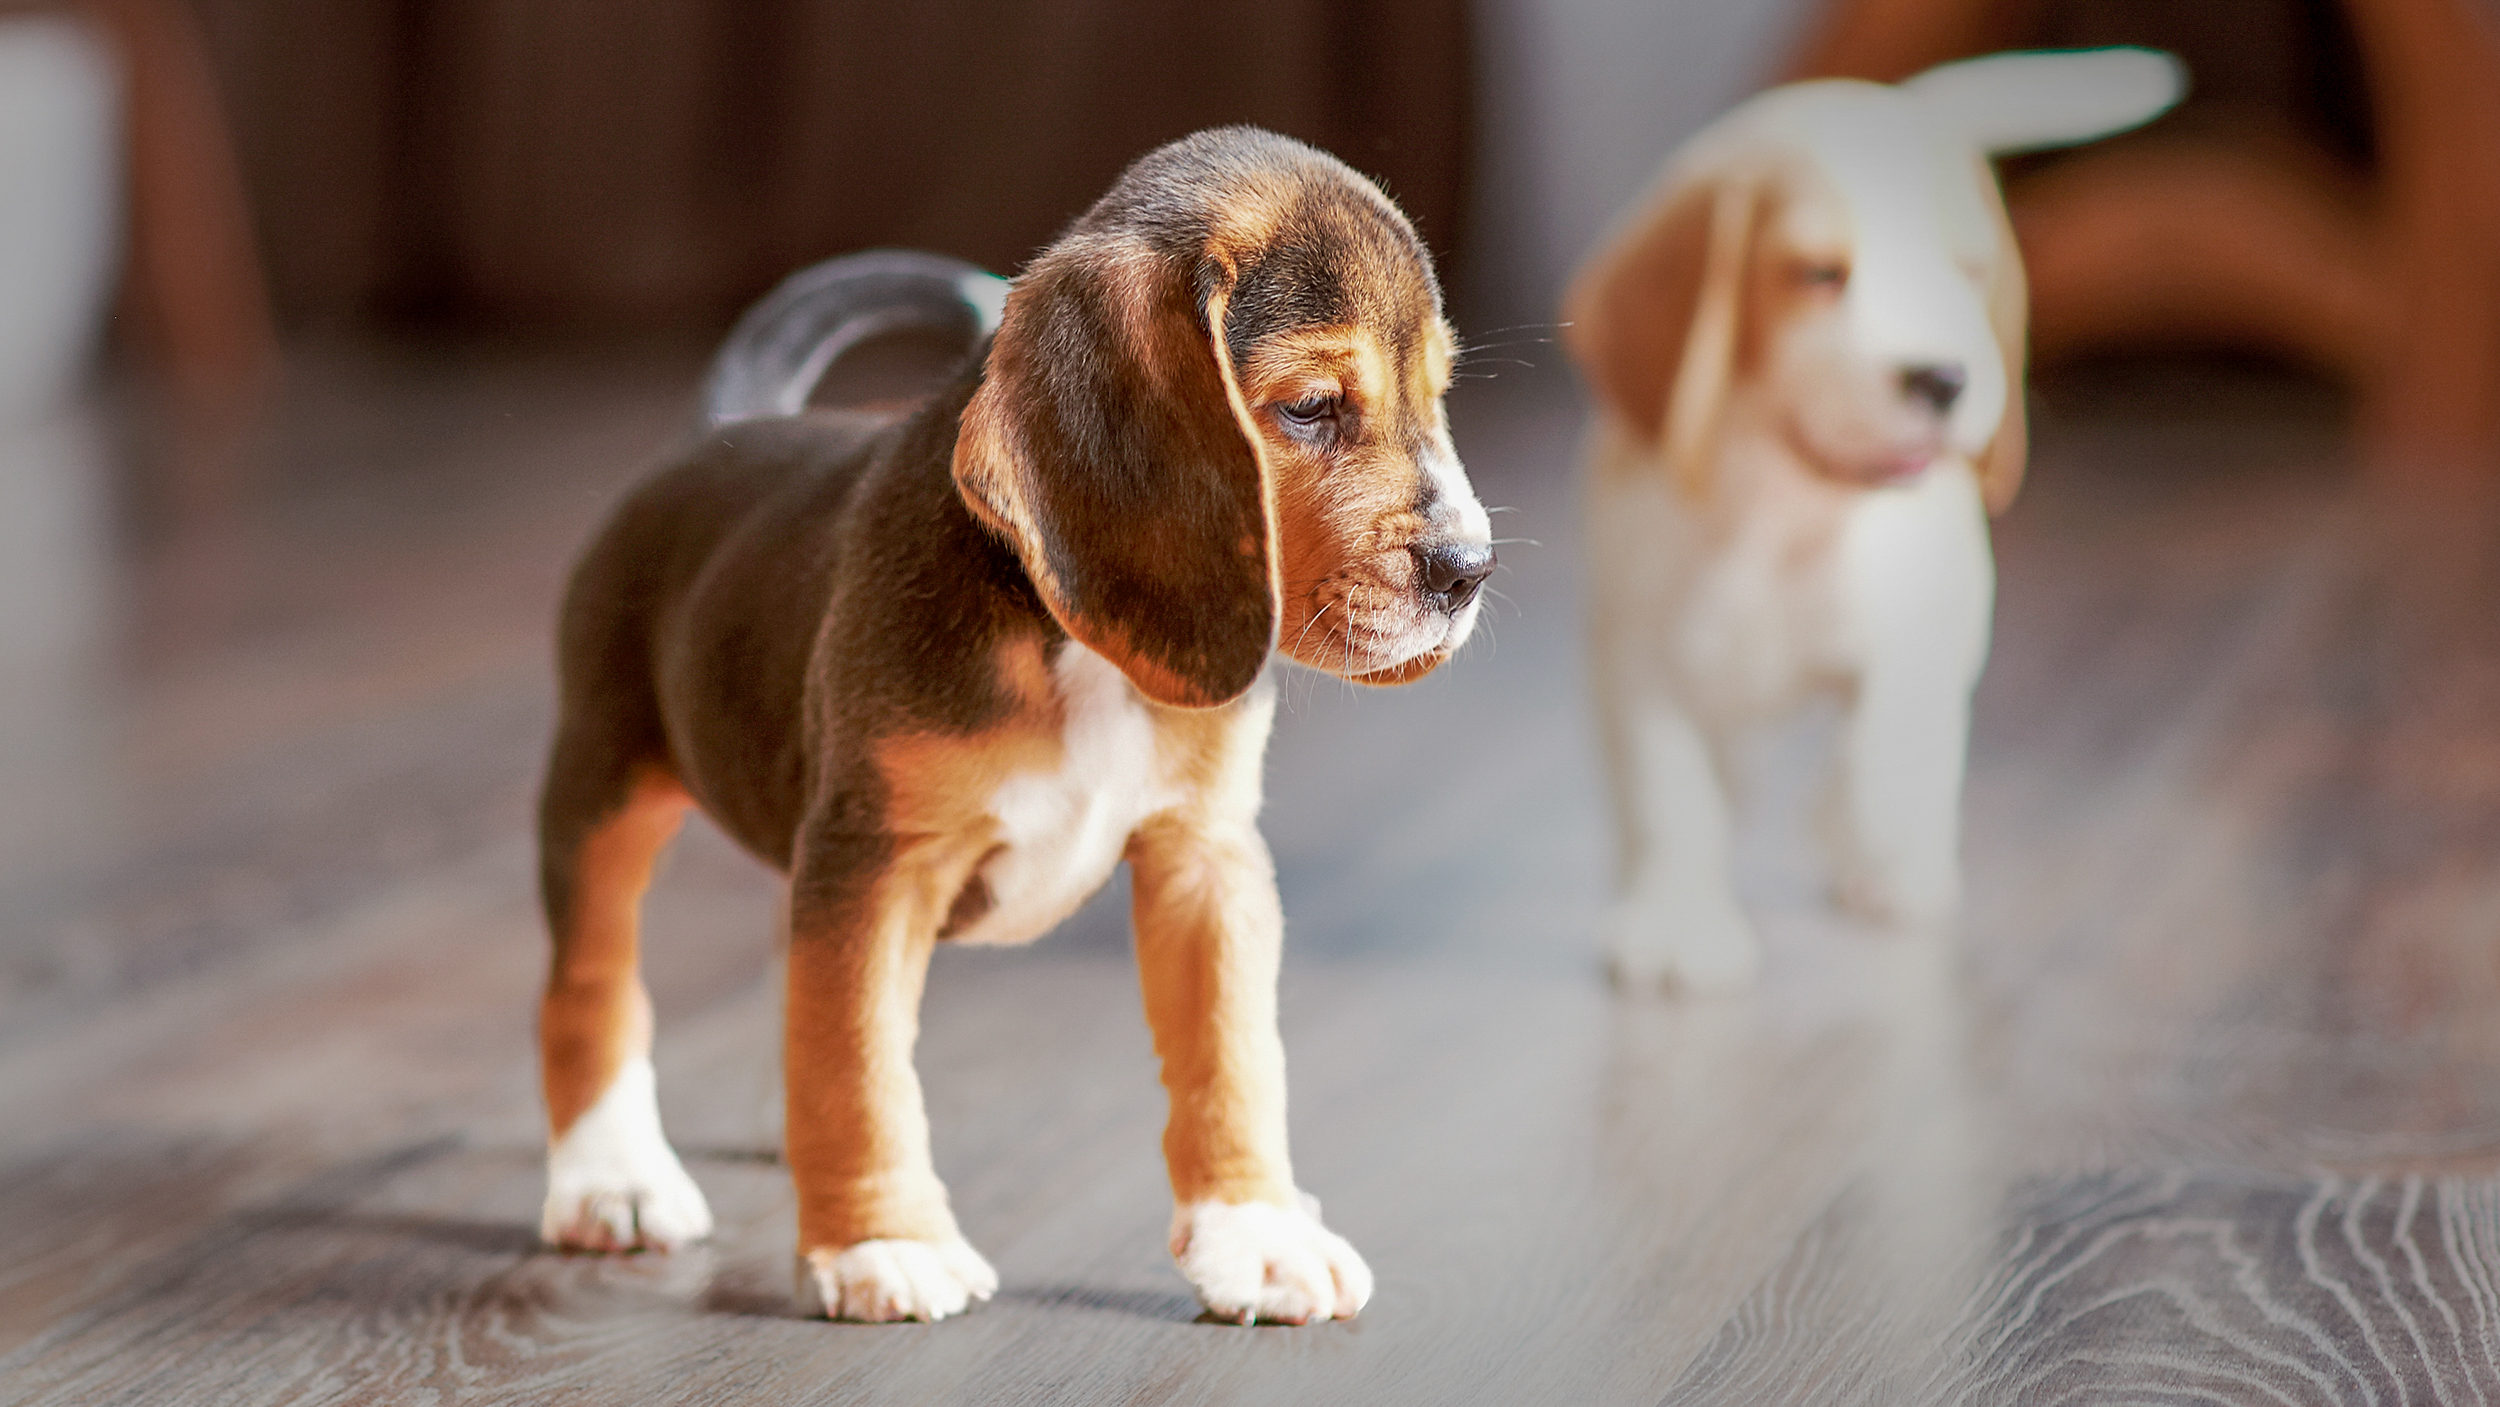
(782, 345)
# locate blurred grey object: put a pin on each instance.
(60, 244)
(60, 207)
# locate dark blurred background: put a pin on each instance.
(494, 165)
(492, 169)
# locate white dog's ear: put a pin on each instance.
(2009, 313)
(1653, 317)
(2035, 99)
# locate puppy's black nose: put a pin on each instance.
(1939, 385)
(1451, 572)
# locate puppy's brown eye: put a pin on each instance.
(1310, 410)
(1823, 275)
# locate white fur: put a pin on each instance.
(1457, 497)
(1062, 832)
(613, 1183)
(1794, 572)
(2007, 103)
(1253, 1262)
(879, 1282)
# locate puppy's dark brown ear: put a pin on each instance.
(1653, 317)
(2009, 303)
(1109, 444)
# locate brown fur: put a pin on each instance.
(837, 633)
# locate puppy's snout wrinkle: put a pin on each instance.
(1937, 383)
(1451, 571)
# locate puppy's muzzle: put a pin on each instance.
(1939, 384)
(1450, 572)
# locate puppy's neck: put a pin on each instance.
(1759, 473)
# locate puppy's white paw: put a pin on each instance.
(1695, 945)
(1913, 897)
(880, 1282)
(614, 1184)
(1254, 1262)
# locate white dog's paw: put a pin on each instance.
(1696, 946)
(614, 1184)
(1913, 897)
(880, 1282)
(1255, 1262)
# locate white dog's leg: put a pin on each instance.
(1677, 920)
(1922, 585)
(1894, 815)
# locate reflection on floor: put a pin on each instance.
(2203, 1104)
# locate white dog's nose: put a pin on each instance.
(1937, 383)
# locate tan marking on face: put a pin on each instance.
(1347, 509)
(1248, 221)
(1437, 365)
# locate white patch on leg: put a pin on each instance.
(1256, 1262)
(614, 1184)
(880, 1282)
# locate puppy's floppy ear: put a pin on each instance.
(2009, 303)
(1654, 317)
(1109, 444)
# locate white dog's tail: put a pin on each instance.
(2034, 99)
(781, 346)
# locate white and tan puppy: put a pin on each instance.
(1807, 347)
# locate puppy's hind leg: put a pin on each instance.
(613, 1183)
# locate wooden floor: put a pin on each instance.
(2202, 1106)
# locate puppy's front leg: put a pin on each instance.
(877, 1240)
(1210, 933)
(1677, 920)
(1894, 818)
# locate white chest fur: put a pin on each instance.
(1739, 609)
(1061, 832)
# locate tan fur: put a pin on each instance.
(2009, 308)
(596, 1015)
(1210, 932)
(857, 1132)
(1209, 936)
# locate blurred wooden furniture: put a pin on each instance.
(505, 165)
(2388, 278)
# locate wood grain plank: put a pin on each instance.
(2203, 1105)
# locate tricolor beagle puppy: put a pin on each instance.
(947, 668)
(1807, 348)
